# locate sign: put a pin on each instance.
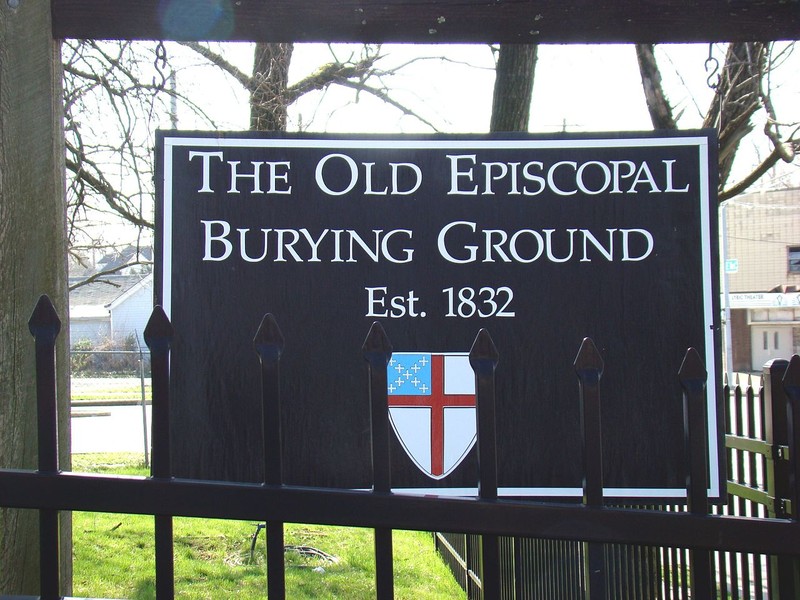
(732, 265)
(764, 300)
(543, 241)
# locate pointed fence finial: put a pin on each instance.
(269, 341)
(158, 332)
(588, 363)
(791, 379)
(483, 356)
(44, 323)
(693, 373)
(377, 348)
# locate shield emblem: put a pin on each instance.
(432, 408)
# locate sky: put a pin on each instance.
(589, 88)
(577, 88)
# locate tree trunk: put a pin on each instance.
(32, 262)
(513, 87)
(657, 104)
(268, 104)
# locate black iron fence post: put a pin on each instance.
(589, 368)
(377, 352)
(158, 336)
(45, 325)
(483, 358)
(269, 343)
(776, 429)
(693, 379)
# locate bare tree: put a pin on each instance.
(115, 96)
(271, 95)
(117, 93)
(741, 89)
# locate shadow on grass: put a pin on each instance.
(145, 590)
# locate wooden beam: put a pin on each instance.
(430, 21)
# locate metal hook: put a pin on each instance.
(160, 64)
(712, 68)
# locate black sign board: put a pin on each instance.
(543, 241)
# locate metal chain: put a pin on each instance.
(160, 64)
(712, 69)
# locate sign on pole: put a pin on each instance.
(543, 241)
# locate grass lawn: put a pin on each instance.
(108, 389)
(114, 555)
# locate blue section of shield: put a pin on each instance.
(409, 374)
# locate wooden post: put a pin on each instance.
(32, 262)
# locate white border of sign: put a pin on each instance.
(466, 143)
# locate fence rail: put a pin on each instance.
(592, 525)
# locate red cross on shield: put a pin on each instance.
(432, 408)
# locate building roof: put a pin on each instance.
(94, 299)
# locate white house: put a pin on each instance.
(111, 309)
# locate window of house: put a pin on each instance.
(794, 259)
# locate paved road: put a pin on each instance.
(109, 429)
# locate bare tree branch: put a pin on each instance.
(328, 74)
(741, 90)
(736, 100)
(756, 173)
(111, 195)
(99, 277)
(384, 96)
(218, 60)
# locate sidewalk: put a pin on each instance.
(107, 415)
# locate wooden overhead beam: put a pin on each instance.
(430, 21)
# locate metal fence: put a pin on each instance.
(592, 527)
(760, 472)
